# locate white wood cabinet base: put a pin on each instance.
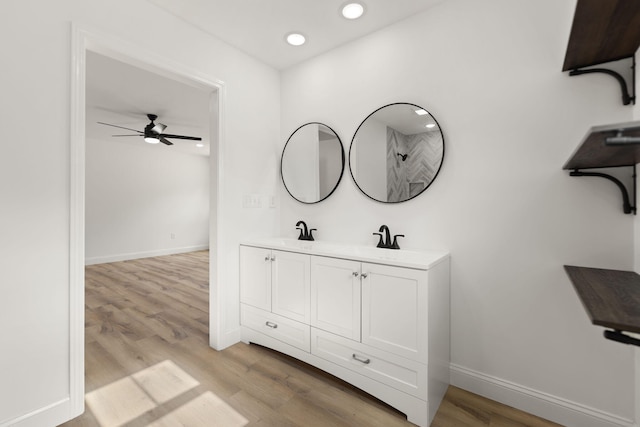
(294, 333)
(376, 318)
(415, 409)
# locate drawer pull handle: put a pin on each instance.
(271, 325)
(361, 359)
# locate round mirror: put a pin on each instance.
(396, 153)
(312, 163)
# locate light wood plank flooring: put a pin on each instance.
(148, 362)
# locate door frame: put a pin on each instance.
(82, 40)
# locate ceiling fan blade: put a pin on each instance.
(121, 127)
(125, 135)
(164, 141)
(192, 138)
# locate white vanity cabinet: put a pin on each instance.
(274, 294)
(377, 318)
(335, 296)
(394, 310)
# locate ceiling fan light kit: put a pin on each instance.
(154, 132)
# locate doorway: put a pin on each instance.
(84, 41)
(144, 199)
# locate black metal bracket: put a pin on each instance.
(627, 207)
(626, 97)
(618, 336)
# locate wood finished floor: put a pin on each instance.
(148, 362)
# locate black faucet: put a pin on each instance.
(395, 245)
(385, 242)
(305, 234)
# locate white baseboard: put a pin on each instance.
(53, 414)
(146, 254)
(230, 338)
(535, 402)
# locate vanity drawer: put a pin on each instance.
(281, 328)
(400, 373)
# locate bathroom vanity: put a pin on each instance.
(376, 318)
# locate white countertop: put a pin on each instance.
(418, 259)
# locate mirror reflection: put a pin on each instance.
(396, 152)
(312, 162)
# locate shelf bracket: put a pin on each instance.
(626, 97)
(618, 336)
(627, 207)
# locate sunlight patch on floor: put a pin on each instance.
(205, 410)
(119, 402)
(165, 381)
(128, 398)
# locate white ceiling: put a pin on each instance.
(123, 95)
(259, 27)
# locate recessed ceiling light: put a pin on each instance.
(353, 10)
(421, 112)
(296, 39)
(431, 125)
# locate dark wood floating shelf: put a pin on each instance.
(610, 297)
(603, 31)
(594, 153)
(609, 146)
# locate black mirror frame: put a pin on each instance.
(434, 176)
(342, 157)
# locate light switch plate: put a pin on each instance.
(252, 201)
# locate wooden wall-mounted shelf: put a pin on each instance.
(602, 32)
(611, 299)
(594, 153)
(605, 147)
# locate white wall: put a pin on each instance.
(144, 200)
(34, 178)
(490, 72)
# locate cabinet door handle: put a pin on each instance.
(355, 274)
(271, 325)
(361, 359)
(364, 275)
(267, 258)
(273, 258)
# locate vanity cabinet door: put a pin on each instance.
(335, 296)
(394, 310)
(290, 285)
(255, 277)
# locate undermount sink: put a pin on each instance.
(401, 257)
(299, 244)
(370, 252)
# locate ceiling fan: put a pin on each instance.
(154, 132)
